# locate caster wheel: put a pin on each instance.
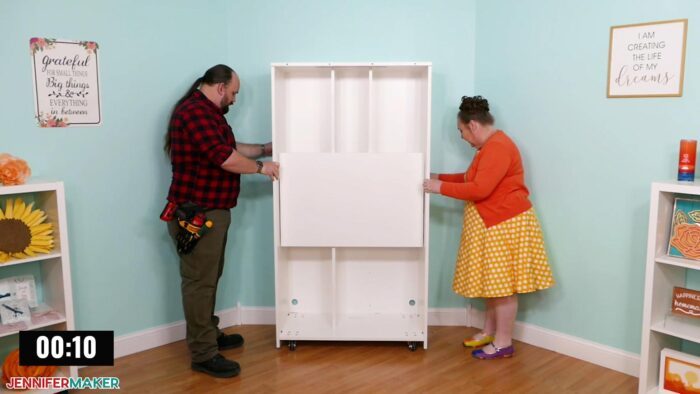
(412, 346)
(292, 345)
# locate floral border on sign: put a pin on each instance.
(90, 46)
(46, 120)
(37, 44)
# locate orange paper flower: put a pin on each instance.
(13, 170)
(12, 369)
(687, 240)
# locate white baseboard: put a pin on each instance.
(139, 341)
(257, 315)
(582, 349)
(448, 317)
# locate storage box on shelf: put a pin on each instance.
(51, 270)
(661, 329)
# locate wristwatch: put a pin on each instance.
(260, 166)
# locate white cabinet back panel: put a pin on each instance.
(352, 110)
(379, 280)
(303, 103)
(351, 199)
(400, 96)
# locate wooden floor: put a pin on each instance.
(322, 367)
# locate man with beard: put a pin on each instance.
(207, 163)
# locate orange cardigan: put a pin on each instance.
(495, 181)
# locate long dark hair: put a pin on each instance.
(220, 73)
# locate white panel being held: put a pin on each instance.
(352, 199)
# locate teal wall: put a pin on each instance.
(542, 64)
(125, 274)
(589, 159)
(348, 31)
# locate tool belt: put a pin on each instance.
(192, 221)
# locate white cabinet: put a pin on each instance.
(663, 273)
(51, 271)
(351, 218)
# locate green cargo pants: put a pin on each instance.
(200, 272)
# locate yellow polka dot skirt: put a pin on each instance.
(501, 260)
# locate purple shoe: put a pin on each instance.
(501, 352)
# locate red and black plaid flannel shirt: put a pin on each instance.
(201, 140)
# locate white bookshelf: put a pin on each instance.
(351, 219)
(661, 329)
(56, 311)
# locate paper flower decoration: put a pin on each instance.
(90, 46)
(13, 170)
(46, 120)
(37, 44)
(23, 232)
(12, 369)
(687, 240)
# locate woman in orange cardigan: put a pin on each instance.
(501, 253)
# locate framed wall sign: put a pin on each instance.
(66, 82)
(647, 59)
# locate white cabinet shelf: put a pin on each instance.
(679, 262)
(351, 218)
(52, 270)
(661, 329)
(50, 256)
(680, 327)
(360, 327)
(44, 316)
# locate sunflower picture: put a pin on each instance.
(23, 232)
